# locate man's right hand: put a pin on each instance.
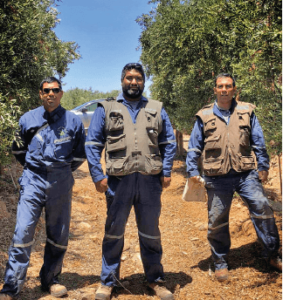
(197, 179)
(102, 186)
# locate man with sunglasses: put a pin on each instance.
(225, 134)
(51, 147)
(139, 147)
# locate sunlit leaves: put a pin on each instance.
(185, 44)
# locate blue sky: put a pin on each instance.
(108, 36)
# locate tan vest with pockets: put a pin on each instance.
(227, 146)
(132, 147)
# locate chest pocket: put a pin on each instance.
(244, 119)
(116, 120)
(63, 147)
(210, 126)
(245, 129)
(152, 126)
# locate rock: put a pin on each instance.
(123, 257)
(88, 296)
(83, 226)
(203, 227)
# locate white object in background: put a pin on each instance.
(195, 189)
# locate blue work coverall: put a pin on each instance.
(52, 146)
(138, 190)
(220, 190)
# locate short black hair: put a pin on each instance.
(50, 80)
(225, 75)
(131, 66)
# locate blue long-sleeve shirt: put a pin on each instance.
(49, 140)
(96, 139)
(196, 143)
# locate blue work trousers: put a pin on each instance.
(143, 192)
(220, 190)
(52, 190)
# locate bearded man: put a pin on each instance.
(139, 147)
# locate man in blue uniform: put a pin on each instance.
(139, 147)
(225, 133)
(51, 148)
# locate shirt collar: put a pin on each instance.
(55, 115)
(121, 98)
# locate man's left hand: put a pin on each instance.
(263, 175)
(165, 181)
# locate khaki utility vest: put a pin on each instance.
(132, 147)
(227, 146)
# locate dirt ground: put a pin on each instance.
(187, 259)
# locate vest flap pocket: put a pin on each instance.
(116, 143)
(150, 111)
(247, 163)
(153, 164)
(116, 120)
(117, 167)
(210, 124)
(212, 166)
(244, 119)
(151, 118)
(212, 142)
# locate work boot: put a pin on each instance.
(103, 292)
(161, 291)
(221, 274)
(5, 297)
(275, 262)
(58, 290)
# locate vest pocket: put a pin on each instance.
(244, 119)
(212, 167)
(210, 126)
(212, 147)
(247, 163)
(153, 137)
(116, 121)
(117, 167)
(151, 117)
(153, 164)
(116, 143)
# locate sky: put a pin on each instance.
(108, 36)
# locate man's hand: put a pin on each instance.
(263, 176)
(197, 179)
(165, 181)
(102, 186)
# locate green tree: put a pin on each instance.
(185, 44)
(76, 97)
(29, 51)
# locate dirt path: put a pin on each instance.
(186, 259)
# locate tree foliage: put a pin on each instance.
(185, 44)
(29, 51)
(76, 97)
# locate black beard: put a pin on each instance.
(132, 94)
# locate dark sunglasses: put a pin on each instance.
(55, 90)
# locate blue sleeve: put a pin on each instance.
(95, 142)
(196, 145)
(19, 147)
(258, 144)
(167, 144)
(79, 147)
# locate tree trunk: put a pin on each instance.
(179, 139)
